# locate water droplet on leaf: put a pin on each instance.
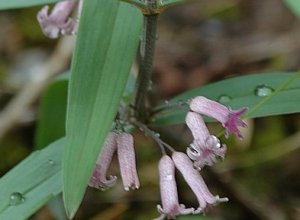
(263, 90)
(16, 198)
(224, 98)
(51, 162)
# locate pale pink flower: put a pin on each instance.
(168, 191)
(59, 21)
(229, 118)
(205, 147)
(126, 157)
(195, 181)
(98, 178)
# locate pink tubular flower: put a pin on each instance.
(98, 178)
(195, 181)
(126, 157)
(205, 148)
(58, 22)
(229, 118)
(168, 191)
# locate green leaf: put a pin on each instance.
(106, 45)
(194, 217)
(10, 4)
(37, 178)
(284, 98)
(294, 6)
(52, 112)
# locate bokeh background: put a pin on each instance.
(198, 42)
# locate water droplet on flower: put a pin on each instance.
(193, 150)
(213, 141)
(224, 98)
(263, 90)
(51, 162)
(16, 198)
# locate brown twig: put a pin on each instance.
(13, 112)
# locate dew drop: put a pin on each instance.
(263, 90)
(192, 149)
(224, 98)
(16, 198)
(213, 141)
(51, 162)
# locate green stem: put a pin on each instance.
(146, 65)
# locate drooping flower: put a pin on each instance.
(168, 191)
(99, 177)
(126, 157)
(229, 118)
(205, 147)
(59, 21)
(208, 154)
(195, 181)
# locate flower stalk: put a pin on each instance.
(146, 65)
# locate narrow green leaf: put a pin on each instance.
(107, 41)
(37, 178)
(294, 6)
(240, 92)
(10, 4)
(52, 113)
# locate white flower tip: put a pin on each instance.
(112, 180)
(219, 200)
(197, 167)
(133, 187)
(198, 211)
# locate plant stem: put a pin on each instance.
(153, 135)
(146, 65)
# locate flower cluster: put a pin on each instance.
(123, 144)
(206, 148)
(170, 205)
(59, 21)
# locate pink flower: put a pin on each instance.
(206, 154)
(58, 22)
(229, 118)
(195, 181)
(126, 157)
(168, 191)
(98, 178)
(123, 143)
(205, 148)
